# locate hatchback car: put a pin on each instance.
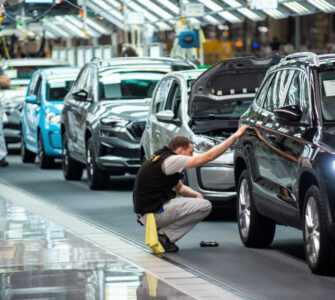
(40, 117)
(285, 163)
(19, 70)
(206, 107)
(104, 116)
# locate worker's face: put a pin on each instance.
(187, 152)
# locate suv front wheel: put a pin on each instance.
(319, 249)
(72, 170)
(255, 230)
(44, 161)
(97, 179)
(26, 155)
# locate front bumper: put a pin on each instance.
(53, 143)
(119, 158)
(214, 181)
(12, 135)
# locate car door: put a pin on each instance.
(73, 116)
(170, 129)
(33, 111)
(83, 108)
(290, 140)
(155, 130)
(266, 166)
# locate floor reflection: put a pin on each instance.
(41, 260)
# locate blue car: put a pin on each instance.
(40, 116)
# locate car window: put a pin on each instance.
(174, 99)
(327, 84)
(118, 85)
(298, 94)
(276, 91)
(81, 81)
(33, 84)
(161, 95)
(58, 87)
(37, 89)
(264, 89)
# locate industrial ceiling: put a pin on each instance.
(62, 17)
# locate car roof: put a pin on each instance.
(308, 58)
(187, 74)
(21, 62)
(59, 70)
(124, 61)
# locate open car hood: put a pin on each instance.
(226, 80)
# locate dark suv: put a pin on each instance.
(285, 163)
(104, 116)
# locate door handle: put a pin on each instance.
(271, 137)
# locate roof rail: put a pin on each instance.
(95, 59)
(312, 56)
(327, 55)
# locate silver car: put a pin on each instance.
(206, 107)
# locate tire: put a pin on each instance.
(318, 246)
(26, 155)
(44, 161)
(72, 169)
(96, 179)
(255, 230)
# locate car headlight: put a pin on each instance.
(11, 106)
(203, 144)
(114, 122)
(52, 118)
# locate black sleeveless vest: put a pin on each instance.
(152, 187)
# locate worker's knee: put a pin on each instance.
(206, 207)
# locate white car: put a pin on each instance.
(205, 107)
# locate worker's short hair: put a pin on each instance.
(179, 141)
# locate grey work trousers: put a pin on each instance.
(3, 148)
(180, 215)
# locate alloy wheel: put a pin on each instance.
(312, 230)
(89, 163)
(244, 207)
(65, 155)
(40, 149)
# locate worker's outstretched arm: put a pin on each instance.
(186, 191)
(216, 151)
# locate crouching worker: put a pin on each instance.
(158, 189)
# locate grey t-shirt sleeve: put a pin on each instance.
(175, 164)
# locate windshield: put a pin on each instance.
(225, 109)
(127, 85)
(21, 72)
(327, 89)
(58, 87)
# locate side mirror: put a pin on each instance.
(80, 95)
(165, 116)
(31, 99)
(288, 114)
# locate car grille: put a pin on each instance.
(136, 129)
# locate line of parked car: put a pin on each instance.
(116, 113)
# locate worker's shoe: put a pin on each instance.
(167, 245)
(4, 163)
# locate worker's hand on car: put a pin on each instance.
(198, 195)
(241, 131)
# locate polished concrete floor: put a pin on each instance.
(41, 260)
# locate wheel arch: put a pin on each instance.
(239, 166)
(306, 180)
(88, 134)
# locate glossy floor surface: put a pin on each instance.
(42, 260)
